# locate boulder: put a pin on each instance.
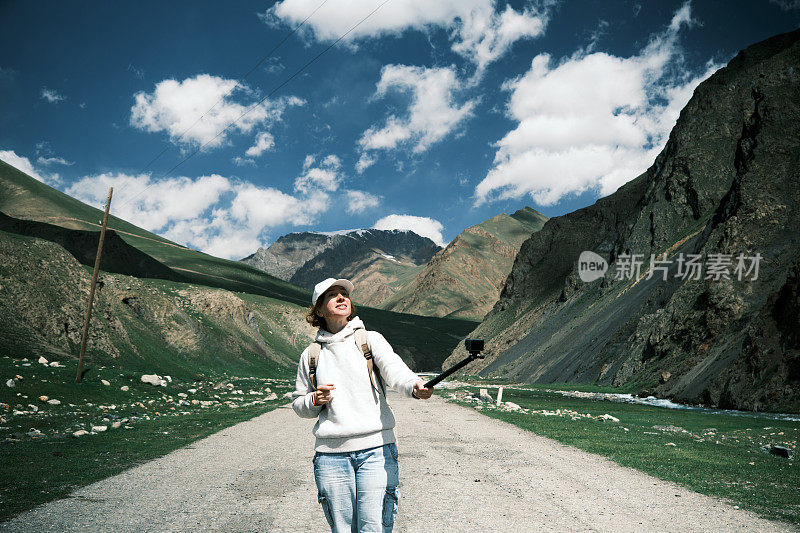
(116, 425)
(288, 395)
(11, 383)
(511, 406)
(124, 388)
(43, 361)
(43, 398)
(99, 429)
(80, 433)
(105, 382)
(272, 396)
(483, 396)
(53, 401)
(665, 377)
(608, 417)
(781, 451)
(152, 379)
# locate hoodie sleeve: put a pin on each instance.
(394, 372)
(302, 401)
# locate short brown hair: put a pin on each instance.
(319, 322)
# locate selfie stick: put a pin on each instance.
(475, 347)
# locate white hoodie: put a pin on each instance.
(357, 417)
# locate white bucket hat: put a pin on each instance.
(323, 286)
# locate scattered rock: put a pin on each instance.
(43, 361)
(11, 383)
(105, 382)
(608, 417)
(484, 396)
(154, 379)
(671, 429)
(99, 429)
(124, 388)
(53, 401)
(781, 451)
(80, 433)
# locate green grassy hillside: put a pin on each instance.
(34, 209)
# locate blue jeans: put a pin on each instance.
(358, 490)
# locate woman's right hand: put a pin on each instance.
(323, 394)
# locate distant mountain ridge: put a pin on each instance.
(464, 280)
(376, 260)
(727, 182)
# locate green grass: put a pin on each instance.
(35, 470)
(718, 454)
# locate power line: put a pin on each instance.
(238, 82)
(253, 106)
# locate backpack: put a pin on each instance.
(360, 334)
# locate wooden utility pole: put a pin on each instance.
(91, 290)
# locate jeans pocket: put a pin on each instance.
(326, 509)
(390, 500)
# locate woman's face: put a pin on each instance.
(336, 303)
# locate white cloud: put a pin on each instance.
(153, 205)
(215, 214)
(51, 96)
(424, 226)
(365, 161)
(593, 121)
(243, 161)
(54, 161)
(175, 107)
(360, 201)
(264, 142)
(138, 73)
(478, 31)
(23, 164)
(324, 177)
(432, 113)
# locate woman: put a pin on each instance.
(355, 464)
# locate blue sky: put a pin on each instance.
(431, 116)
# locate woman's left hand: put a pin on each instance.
(421, 392)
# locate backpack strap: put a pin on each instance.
(314, 349)
(362, 340)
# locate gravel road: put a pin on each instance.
(459, 470)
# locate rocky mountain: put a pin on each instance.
(726, 188)
(378, 261)
(288, 253)
(464, 280)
